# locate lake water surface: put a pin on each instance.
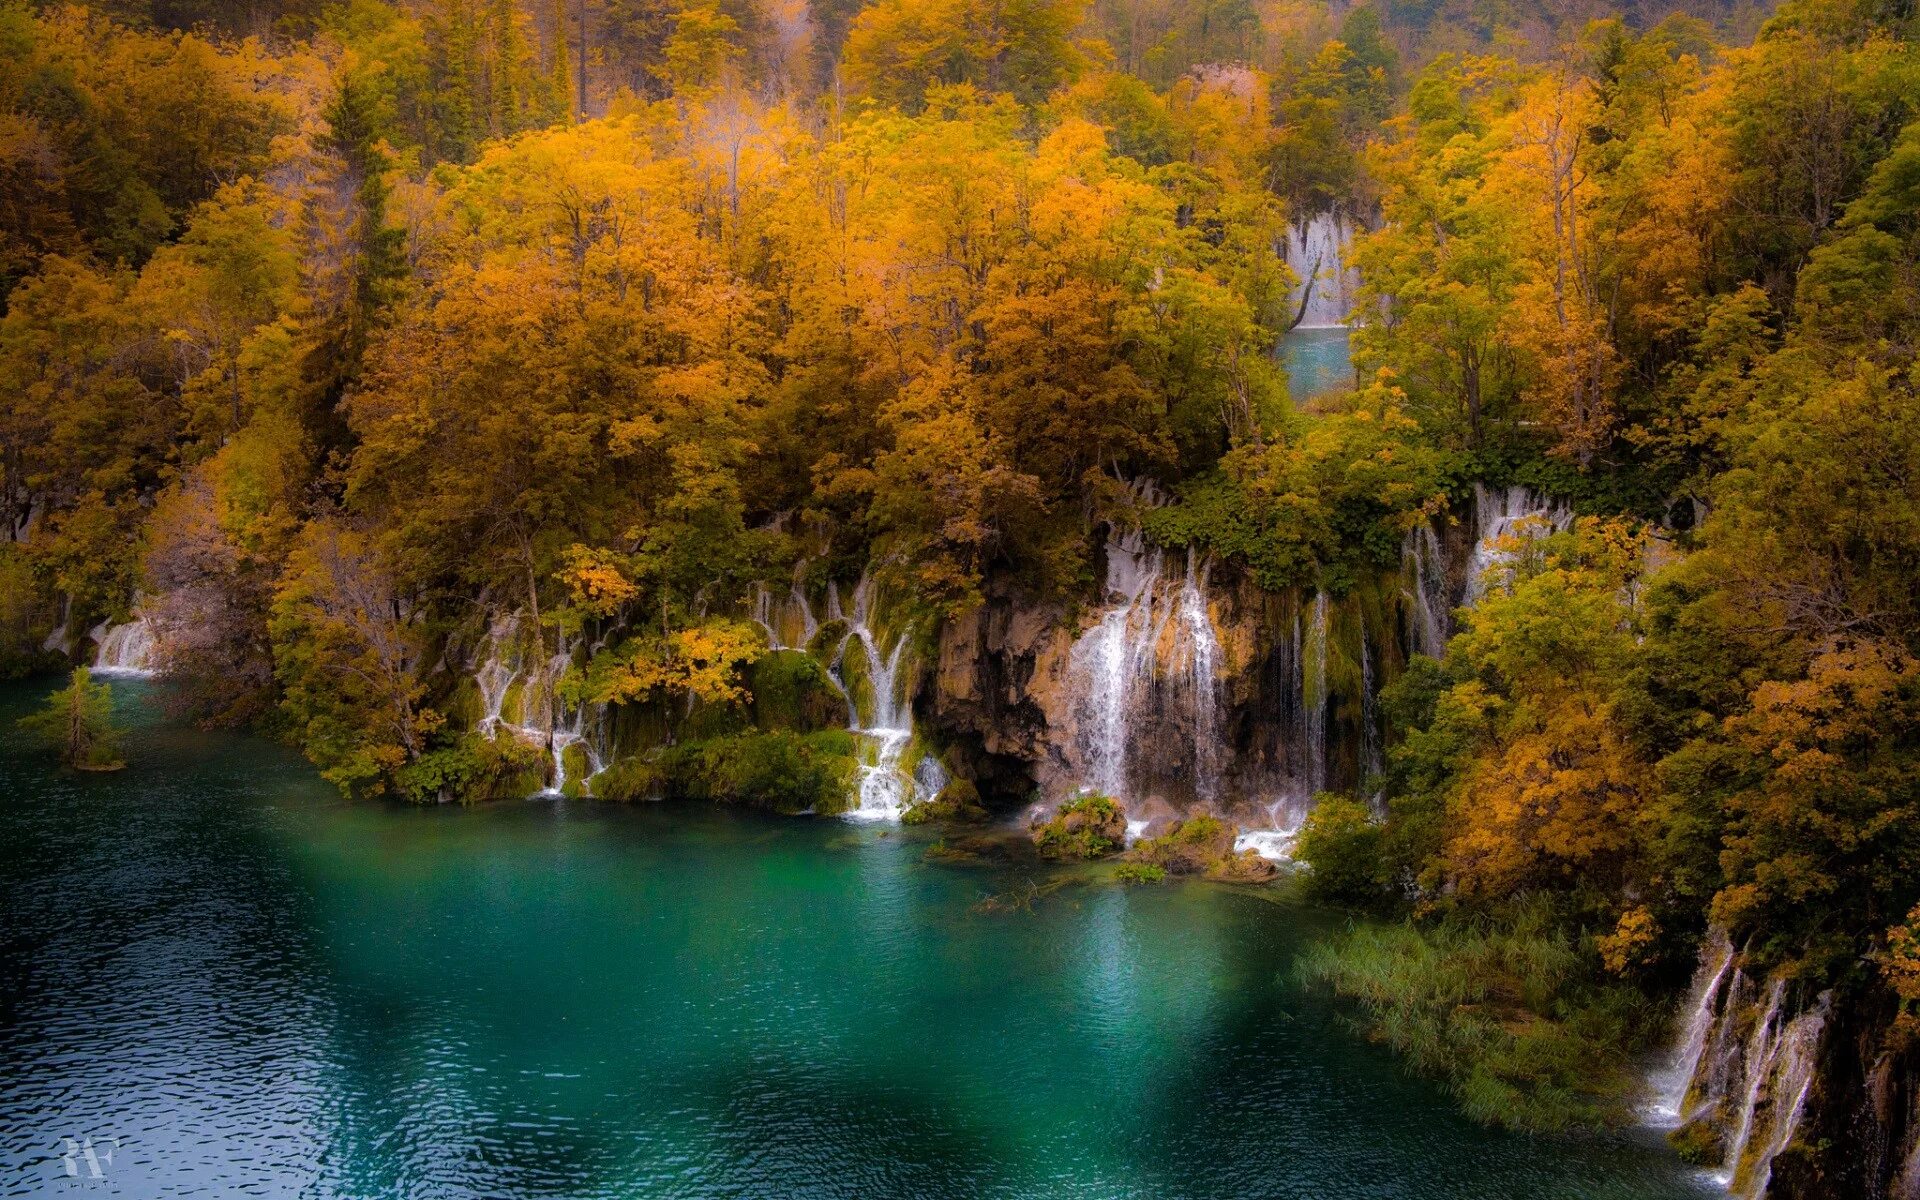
(258, 990)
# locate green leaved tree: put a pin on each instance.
(78, 722)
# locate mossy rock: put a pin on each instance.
(629, 779)
(1089, 827)
(780, 771)
(1135, 872)
(1203, 845)
(1700, 1141)
(578, 765)
(791, 690)
(957, 803)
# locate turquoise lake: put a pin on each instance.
(1318, 361)
(239, 985)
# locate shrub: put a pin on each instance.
(473, 770)
(1135, 872)
(779, 770)
(1341, 842)
(1092, 826)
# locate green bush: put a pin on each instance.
(1134, 872)
(778, 770)
(958, 801)
(791, 690)
(1092, 826)
(475, 769)
(628, 779)
(1341, 842)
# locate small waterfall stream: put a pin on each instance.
(1671, 1087)
(522, 697)
(1513, 512)
(125, 649)
(879, 704)
(1423, 569)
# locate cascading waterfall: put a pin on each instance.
(1317, 253)
(1312, 774)
(125, 649)
(1372, 759)
(1154, 648)
(1794, 1062)
(1509, 512)
(523, 698)
(1672, 1086)
(881, 712)
(1761, 1048)
(1423, 569)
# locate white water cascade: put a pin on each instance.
(522, 697)
(1154, 649)
(1423, 568)
(1317, 255)
(1514, 512)
(881, 712)
(125, 649)
(1671, 1086)
(1311, 776)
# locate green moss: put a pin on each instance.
(1090, 827)
(578, 765)
(791, 690)
(1342, 843)
(777, 770)
(1135, 872)
(1699, 1142)
(629, 779)
(958, 801)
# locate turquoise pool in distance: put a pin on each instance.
(1318, 361)
(260, 990)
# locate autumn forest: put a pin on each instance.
(389, 363)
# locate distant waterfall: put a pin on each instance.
(879, 706)
(1317, 254)
(522, 697)
(1311, 775)
(1153, 651)
(1507, 513)
(125, 649)
(1423, 568)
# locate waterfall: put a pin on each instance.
(1153, 652)
(1508, 513)
(881, 712)
(1311, 775)
(1373, 764)
(523, 698)
(1796, 1058)
(1761, 1048)
(1316, 253)
(1672, 1085)
(125, 649)
(1423, 569)
(884, 791)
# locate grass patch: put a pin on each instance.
(1506, 1011)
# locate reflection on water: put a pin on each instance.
(1318, 362)
(260, 990)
